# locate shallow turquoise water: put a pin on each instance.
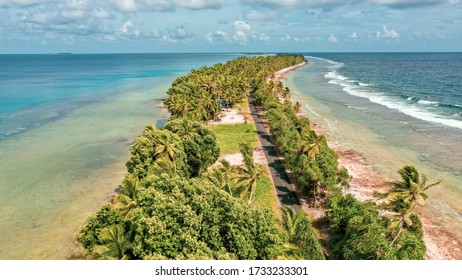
(66, 123)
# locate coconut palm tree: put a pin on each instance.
(405, 196)
(297, 107)
(166, 147)
(399, 219)
(249, 173)
(116, 244)
(286, 93)
(301, 242)
(312, 147)
(127, 193)
(161, 166)
(222, 177)
(413, 186)
(343, 179)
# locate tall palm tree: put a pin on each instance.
(127, 193)
(211, 105)
(343, 179)
(286, 93)
(248, 178)
(301, 242)
(406, 195)
(312, 147)
(116, 244)
(399, 219)
(250, 173)
(166, 147)
(412, 187)
(222, 177)
(297, 107)
(161, 166)
(289, 222)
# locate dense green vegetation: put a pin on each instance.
(173, 204)
(197, 95)
(358, 230)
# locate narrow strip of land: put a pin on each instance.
(287, 196)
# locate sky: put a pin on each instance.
(133, 26)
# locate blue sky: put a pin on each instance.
(83, 26)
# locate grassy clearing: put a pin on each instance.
(230, 135)
(265, 197)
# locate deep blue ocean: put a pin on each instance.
(427, 86)
(392, 110)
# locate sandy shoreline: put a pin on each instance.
(440, 244)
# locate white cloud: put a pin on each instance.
(392, 34)
(214, 36)
(398, 4)
(241, 31)
(128, 30)
(10, 3)
(264, 37)
(77, 4)
(131, 6)
(100, 13)
(241, 25)
(260, 16)
(199, 4)
(73, 14)
(240, 36)
(126, 27)
(332, 38)
(354, 35)
(125, 5)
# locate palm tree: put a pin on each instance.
(289, 251)
(412, 187)
(301, 242)
(289, 222)
(343, 179)
(222, 177)
(161, 166)
(211, 105)
(116, 244)
(248, 178)
(166, 147)
(406, 195)
(399, 219)
(297, 107)
(286, 93)
(312, 147)
(250, 173)
(127, 193)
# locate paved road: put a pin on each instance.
(286, 194)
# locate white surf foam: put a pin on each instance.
(426, 102)
(360, 89)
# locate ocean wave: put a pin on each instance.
(334, 64)
(410, 105)
(427, 102)
(334, 75)
(417, 100)
(452, 106)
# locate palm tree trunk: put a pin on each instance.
(399, 232)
